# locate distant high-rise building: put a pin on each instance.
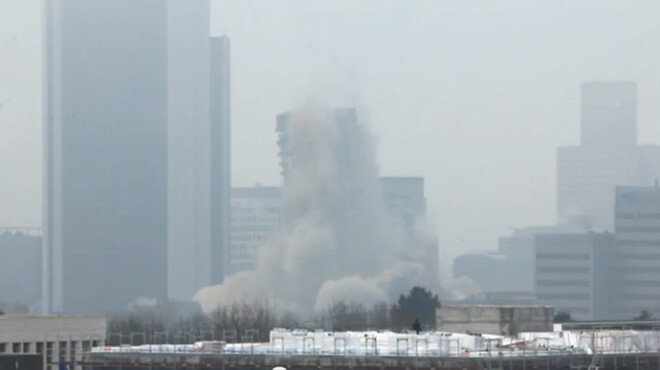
(198, 149)
(348, 140)
(256, 218)
(20, 269)
(636, 271)
(130, 133)
(607, 157)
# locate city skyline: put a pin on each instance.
(531, 119)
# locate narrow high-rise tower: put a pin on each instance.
(220, 157)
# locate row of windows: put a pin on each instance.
(641, 283)
(640, 243)
(65, 352)
(574, 283)
(638, 256)
(639, 269)
(642, 297)
(251, 210)
(254, 219)
(563, 256)
(638, 216)
(638, 229)
(565, 269)
(246, 238)
(256, 228)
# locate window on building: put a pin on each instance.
(40, 347)
(49, 352)
(16, 348)
(3, 347)
(26, 347)
(63, 351)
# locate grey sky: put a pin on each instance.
(473, 95)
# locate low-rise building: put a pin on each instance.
(57, 338)
(499, 320)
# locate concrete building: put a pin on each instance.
(130, 172)
(20, 270)
(637, 274)
(608, 154)
(256, 217)
(57, 338)
(499, 320)
(573, 273)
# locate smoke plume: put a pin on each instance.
(338, 241)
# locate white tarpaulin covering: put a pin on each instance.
(375, 343)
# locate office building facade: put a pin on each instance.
(220, 157)
(572, 273)
(256, 220)
(637, 272)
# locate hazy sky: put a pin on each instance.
(473, 95)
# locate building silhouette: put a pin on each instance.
(608, 155)
(130, 130)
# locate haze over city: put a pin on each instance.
(485, 118)
(329, 183)
(474, 97)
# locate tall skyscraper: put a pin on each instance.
(220, 157)
(607, 157)
(128, 152)
(105, 226)
(189, 147)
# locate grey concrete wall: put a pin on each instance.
(28, 328)
(502, 320)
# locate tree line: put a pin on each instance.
(253, 321)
